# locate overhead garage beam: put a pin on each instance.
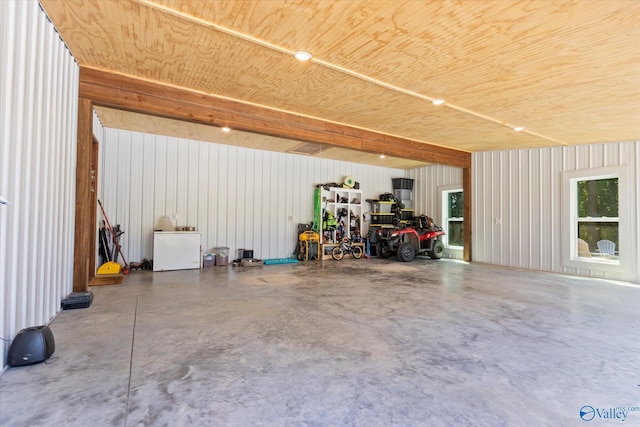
(142, 96)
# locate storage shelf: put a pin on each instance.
(336, 200)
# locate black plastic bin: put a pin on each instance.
(382, 218)
(245, 253)
(402, 183)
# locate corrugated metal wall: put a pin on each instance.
(38, 127)
(427, 196)
(236, 197)
(98, 129)
(524, 189)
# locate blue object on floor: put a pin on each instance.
(280, 261)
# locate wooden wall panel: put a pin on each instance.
(83, 199)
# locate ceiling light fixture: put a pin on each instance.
(382, 156)
(518, 128)
(438, 101)
(226, 129)
(301, 55)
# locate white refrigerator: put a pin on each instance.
(176, 250)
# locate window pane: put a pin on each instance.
(455, 233)
(592, 232)
(598, 198)
(455, 205)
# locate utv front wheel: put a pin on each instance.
(438, 250)
(382, 249)
(406, 252)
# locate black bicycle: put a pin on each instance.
(346, 246)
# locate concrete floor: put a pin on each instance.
(349, 343)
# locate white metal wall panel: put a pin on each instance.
(236, 197)
(38, 126)
(523, 188)
(98, 129)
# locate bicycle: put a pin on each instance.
(346, 246)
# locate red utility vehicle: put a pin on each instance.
(423, 237)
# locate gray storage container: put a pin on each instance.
(222, 255)
(402, 195)
(381, 207)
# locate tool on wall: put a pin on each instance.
(104, 251)
(111, 266)
(317, 210)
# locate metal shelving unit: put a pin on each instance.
(346, 206)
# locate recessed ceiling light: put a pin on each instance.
(301, 55)
(518, 128)
(382, 156)
(226, 129)
(438, 101)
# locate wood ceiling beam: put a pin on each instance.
(143, 96)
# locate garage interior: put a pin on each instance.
(199, 112)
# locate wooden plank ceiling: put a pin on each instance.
(569, 72)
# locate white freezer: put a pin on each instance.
(176, 250)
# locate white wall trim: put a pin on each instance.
(442, 189)
(569, 234)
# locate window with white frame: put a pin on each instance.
(596, 219)
(452, 217)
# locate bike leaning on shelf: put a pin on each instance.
(346, 246)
